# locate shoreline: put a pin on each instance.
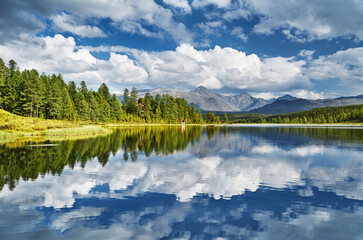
(63, 133)
(298, 124)
(94, 130)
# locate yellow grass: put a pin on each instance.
(13, 126)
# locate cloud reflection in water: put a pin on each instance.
(244, 183)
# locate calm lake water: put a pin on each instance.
(186, 183)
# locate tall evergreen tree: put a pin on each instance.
(84, 89)
(117, 113)
(13, 67)
(105, 92)
(225, 118)
(132, 106)
(105, 111)
(94, 107)
(72, 90)
(3, 69)
(55, 100)
(66, 110)
(126, 99)
(33, 91)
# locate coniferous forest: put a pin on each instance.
(30, 94)
(343, 114)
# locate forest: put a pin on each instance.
(343, 114)
(30, 94)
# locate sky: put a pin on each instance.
(306, 48)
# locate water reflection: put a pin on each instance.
(27, 160)
(236, 182)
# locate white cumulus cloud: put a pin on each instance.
(345, 65)
(204, 3)
(301, 20)
(238, 32)
(183, 4)
(223, 67)
(65, 22)
(61, 55)
(24, 17)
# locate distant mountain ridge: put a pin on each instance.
(208, 100)
(299, 104)
(211, 101)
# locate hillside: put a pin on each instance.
(296, 105)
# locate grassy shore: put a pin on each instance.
(14, 127)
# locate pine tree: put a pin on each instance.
(83, 110)
(66, 105)
(117, 113)
(163, 110)
(132, 105)
(33, 90)
(126, 99)
(157, 114)
(13, 68)
(104, 92)
(105, 112)
(225, 118)
(84, 89)
(72, 90)
(3, 69)
(94, 107)
(54, 104)
(198, 116)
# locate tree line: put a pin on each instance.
(352, 113)
(28, 93)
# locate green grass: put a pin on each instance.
(11, 122)
(13, 126)
(77, 131)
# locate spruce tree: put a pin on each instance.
(225, 118)
(105, 92)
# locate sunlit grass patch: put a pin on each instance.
(76, 131)
(14, 127)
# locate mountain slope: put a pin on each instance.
(287, 106)
(287, 97)
(208, 100)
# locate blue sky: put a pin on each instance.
(307, 48)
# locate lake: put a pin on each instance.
(189, 182)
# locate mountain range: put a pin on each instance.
(208, 100)
(299, 104)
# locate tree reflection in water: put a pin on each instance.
(28, 161)
(21, 160)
